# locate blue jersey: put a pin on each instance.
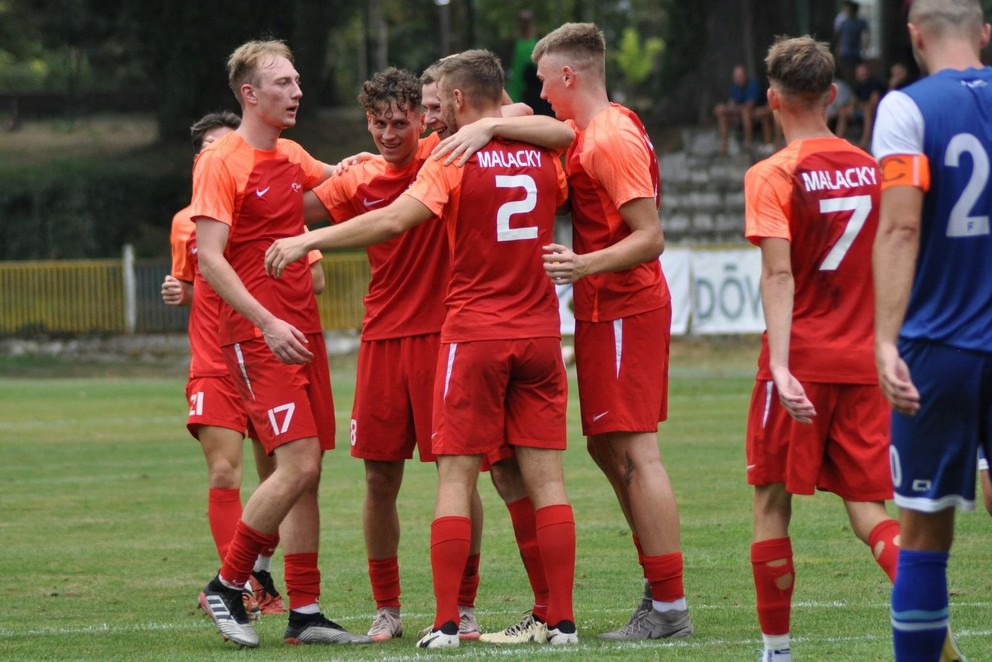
(951, 298)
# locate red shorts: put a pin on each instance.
(622, 369)
(845, 450)
(285, 402)
(488, 393)
(394, 395)
(215, 401)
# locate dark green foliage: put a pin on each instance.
(685, 39)
(87, 209)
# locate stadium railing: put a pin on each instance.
(116, 296)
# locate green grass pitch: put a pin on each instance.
(104, 539)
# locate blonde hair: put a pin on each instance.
(583, 44)
(938, 17)
(244, 63)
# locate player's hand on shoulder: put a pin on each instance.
(287, 342)
(459, 147)
(346, 163)
(895, 379)
(792, 395)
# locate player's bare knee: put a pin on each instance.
(383, 480)
(507, 480)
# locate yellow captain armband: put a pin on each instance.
(906, 170)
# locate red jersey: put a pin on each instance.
(206, 359)
(409, 272)
(499, 210)
(259, 193)
(609, 164)
(822, 196)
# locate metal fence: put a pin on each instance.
(123, 296)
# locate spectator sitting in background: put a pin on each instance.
(867, 91)
(745, 104)
(899, 76)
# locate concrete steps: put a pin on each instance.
(702, 199)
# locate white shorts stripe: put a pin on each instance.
(244, 370)
(618, 342)
(769, 390)
(451, 366)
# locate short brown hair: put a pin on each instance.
(801, 68)
(582, 43)
(244, 62)
(209, 122)
(477, 73)
(433, 72)
(390, 86)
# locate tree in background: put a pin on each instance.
(636, 59)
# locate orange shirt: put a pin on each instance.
(609, 164)
(410, 272)
(822, 196)
(499, 210)
(206, 359)
(259, 194)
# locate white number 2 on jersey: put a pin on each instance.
(503, 230)
(961, 223)
(860, 207)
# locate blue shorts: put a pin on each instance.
(933, 452)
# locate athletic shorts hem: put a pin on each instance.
(935, 506)
(541, 444)
(200, 422)
(384, 457)
(623, 429)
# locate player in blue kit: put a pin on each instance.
(934, 302)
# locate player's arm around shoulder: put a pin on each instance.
(370, 228)
(539, 130)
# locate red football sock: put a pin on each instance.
(302, 579)
(774, 579)
(885, 549)
(223, 513)
(556, 542)
(664, 573)
(640, 550)
(450, 540)
(470, 582)
(241, 554)
(270, 550)
(384, 574)
(525, 531)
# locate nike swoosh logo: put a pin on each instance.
(371, 203)
(599, 416)
(262, 191)
(751, 466)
